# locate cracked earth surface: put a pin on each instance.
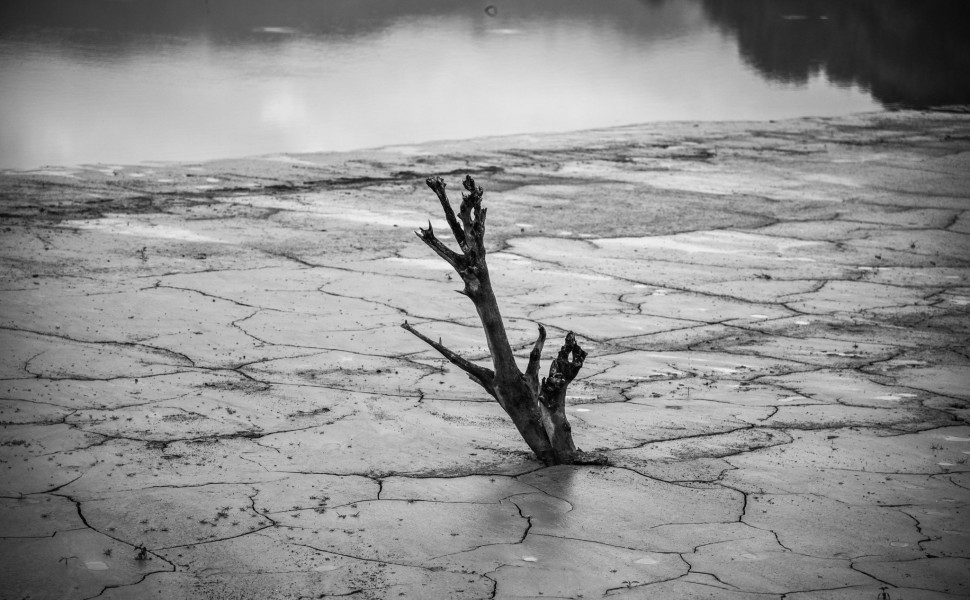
(206, 393)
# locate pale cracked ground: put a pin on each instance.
(203, 364)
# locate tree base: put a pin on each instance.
(578, 457)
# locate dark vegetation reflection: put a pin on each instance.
(906, 53)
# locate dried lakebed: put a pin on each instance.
(206, 392)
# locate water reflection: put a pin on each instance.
(110, 81)
(913, 54)
(227, 20)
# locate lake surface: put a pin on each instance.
(112, 81)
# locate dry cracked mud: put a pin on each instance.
(206, 393)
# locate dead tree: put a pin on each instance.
(537, 408)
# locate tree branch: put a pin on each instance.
(457, 261)
(569, 368)
(438, 185)
(473, 215)
(562, 371)
(480, 375)
(532, 371)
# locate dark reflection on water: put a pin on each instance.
(228, 19)
(134, 80)
(905, 52)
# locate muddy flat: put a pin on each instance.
(206, 392)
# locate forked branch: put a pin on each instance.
(437, 184)
(447, 254)
(562, 371)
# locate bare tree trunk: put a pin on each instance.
(538, 409)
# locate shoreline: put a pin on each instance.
(101, 166)
(907, 113)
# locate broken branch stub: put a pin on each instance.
(538, 410)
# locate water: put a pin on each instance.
(108, 81)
